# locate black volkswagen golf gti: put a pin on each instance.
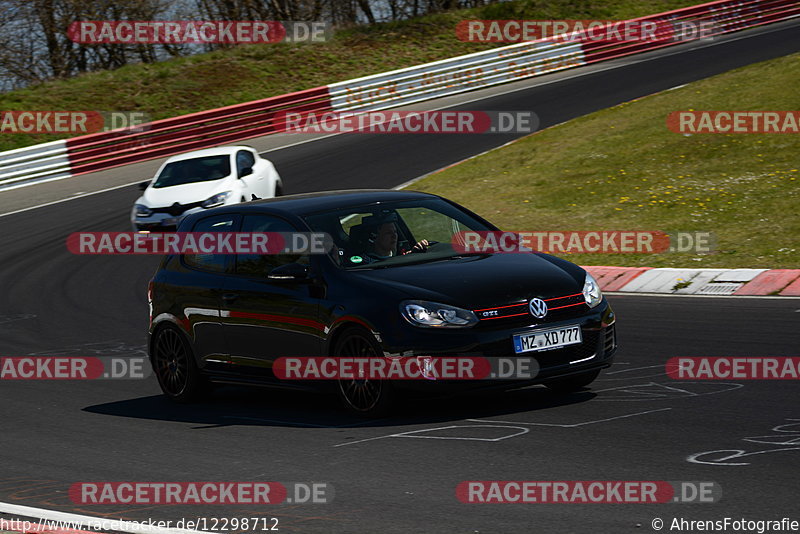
(392, 285)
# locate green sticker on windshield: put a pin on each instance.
(356, 259)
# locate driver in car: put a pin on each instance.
(384, 239)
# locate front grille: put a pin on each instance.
(558, 309)
(176, 209)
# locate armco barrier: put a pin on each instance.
(455, 75)
(527, 59)
(43, 162)
(99, 151)
(205, 129)
(95, 152)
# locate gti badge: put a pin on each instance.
(538, 308)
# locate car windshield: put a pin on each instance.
(391, 234)
(188, 171)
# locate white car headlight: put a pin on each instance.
(217, 200)
(432, 314)
(142, 211)
(591, 291)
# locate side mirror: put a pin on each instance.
(143, 185)
(289, 271)
(245, 172)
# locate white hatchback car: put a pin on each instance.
(200, 180)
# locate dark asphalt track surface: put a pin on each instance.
(399, 474)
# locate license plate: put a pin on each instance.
(548, 339)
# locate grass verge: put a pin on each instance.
(621, 168)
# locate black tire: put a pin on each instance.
(278, 189)
(363, 397)
(175, 367)
(573, 383)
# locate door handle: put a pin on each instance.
(229, 297)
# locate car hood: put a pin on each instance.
(483, 281)
(184, 194)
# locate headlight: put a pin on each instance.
(432, 314)
(591, 291)
(142, 210)
(217, 200)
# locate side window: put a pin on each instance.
(211, 262)
(261, 265)
(244, 159)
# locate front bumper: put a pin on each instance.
(597, 350)
(159, 222)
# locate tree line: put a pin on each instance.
(35, 47)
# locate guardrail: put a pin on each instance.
(37, 163)
(95, 152)
(205, 129)
(527, 59)
(105, 150)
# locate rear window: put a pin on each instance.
(188, 171)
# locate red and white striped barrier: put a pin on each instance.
(100, 151)
(779, 282)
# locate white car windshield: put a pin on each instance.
(188, 171)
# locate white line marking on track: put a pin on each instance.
(74, 197)
(295, 424)
(660, 366)
(131, 527)
(407, 434)
(575, 425)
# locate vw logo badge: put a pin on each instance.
(538, 308)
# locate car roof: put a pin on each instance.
(216, 151)
(307, 203)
